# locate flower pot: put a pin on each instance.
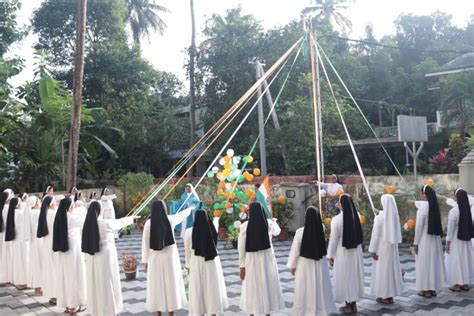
(222, 233)
(235, 244)
(283, 234)
(130, 275)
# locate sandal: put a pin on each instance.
(421, 293)
(52, 302)
(465, 287)
(433, 293)
(76, 310)
(455, 289)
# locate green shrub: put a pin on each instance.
(134, 187)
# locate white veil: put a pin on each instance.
(391, 232)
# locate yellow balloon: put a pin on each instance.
(249, 159)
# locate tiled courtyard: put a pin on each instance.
(13, 302)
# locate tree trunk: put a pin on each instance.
(81, 8)
(192, 57)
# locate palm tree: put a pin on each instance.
(328, 12)
(81, 16)
(143, 16)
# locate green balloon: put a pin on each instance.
(231, 228)
(240, 179)
(217, 206)
(210, 174)
(222, 205)
(231, 178)
(220, 197)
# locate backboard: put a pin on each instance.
(412, 128)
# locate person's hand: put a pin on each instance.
(136, 218)
(441, 197)
(375, 256)
(293, 271)
(331, 262)
(242, 274)
(274, 219)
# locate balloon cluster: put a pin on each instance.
(230, 197)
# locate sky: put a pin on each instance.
(166, 52)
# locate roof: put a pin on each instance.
(460, 64)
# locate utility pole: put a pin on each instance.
(261, 127)
(271, 105)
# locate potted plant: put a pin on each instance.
(282, 211)
(129, 263)
(233, 237)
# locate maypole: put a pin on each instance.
(316, 110)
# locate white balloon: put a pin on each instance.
(237, 224)
(243, 216)
(228, 186)
(221, 178)
(236, 159)
(230, 152)
(229, 210)
(222, 161)
(236, 173)
(215, 169)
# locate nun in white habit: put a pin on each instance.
(6, 272)
(45, 235)
(12, 238)
(16, 233)
(165, 284)
(71, 283)
(261, 291)
(429, 263)
(345, 254)
(458, 257)
(106, 199)
(207, 291)
(386, 235)
(34, 253)
(104, 292)
(308, 263)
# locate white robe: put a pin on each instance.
(459, 259)
(71, 277)
(6, 270)
(261, 291)
(348, 265)
(429, 265)
(48, 260)
(20, 249)
(386, 271)
(34, 279)
(313, 290)
(207, 291)
(165, 285)
(104, 292)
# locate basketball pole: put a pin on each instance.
(414, 153)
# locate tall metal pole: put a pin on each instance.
(261, 128)
(315, 83)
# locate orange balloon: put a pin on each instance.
(228, 205)
(245, 174)
(226, 172)
(244, 208)
(250, 178)
(227, 166)
(362, 219)
(281, 199)
(221, 184)
(411, 224)
(327, 221)
(429, 182)
(389, 189)
(227, 194)
(233, 196)
(227, 159)
(339, 192)
(220, 191)
(256, 172)
(217, 213)
(248, 192)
